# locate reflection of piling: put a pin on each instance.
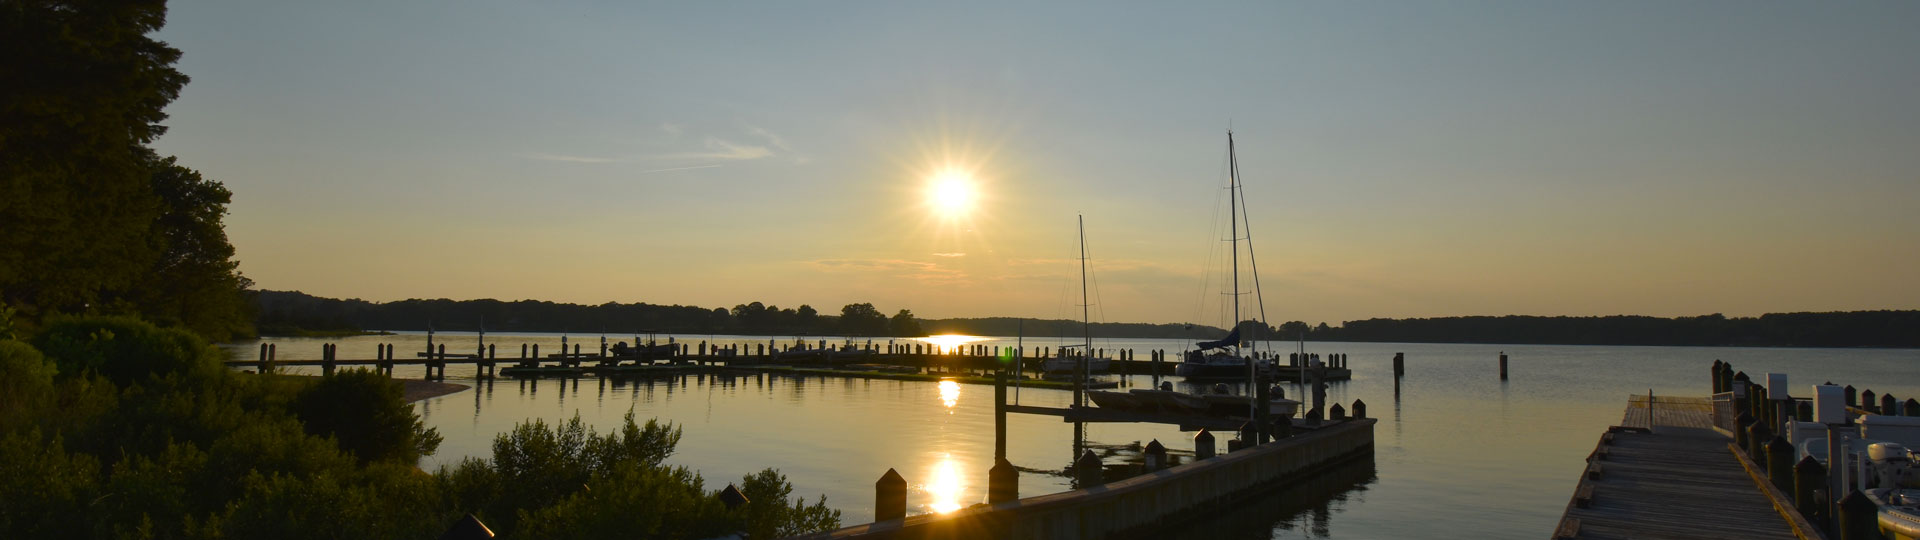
(1000, 414)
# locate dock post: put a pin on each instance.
(1852, 396)
(1088, 471)
(1804, 412)
(1203, 445)
(1359, 409)
(1718, 385)
(1867, 400)
(1758, 435)
(1780, 463)
(1262, 403)
(1808, 477)
(1399, 364)
(536, 355)
(1889, 406)
(1337, 412)
(1003, 482)
(260, 366)
(1912, 406)
(327, 358)
(1503, 365)
(1741, 424)
(1000, 414)
(1155, 455)
(441, 362)
(889, 497)
(1859, 518)
(490, 360)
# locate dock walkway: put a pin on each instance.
(1665, 473)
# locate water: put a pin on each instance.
(1457, 449)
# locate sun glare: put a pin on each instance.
(952, 193)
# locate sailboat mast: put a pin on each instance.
(1233, 227)
(1086, 319)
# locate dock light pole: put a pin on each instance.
(1829, 408)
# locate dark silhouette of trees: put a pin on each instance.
(903, 325)
(862, 320)
(1831, 329)
(91, 221)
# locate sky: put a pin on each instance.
(1413, 159)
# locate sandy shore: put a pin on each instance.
(416, 390)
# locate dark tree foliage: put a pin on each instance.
(903, 325)
(367, 414)
(862, 320)
(90, 220)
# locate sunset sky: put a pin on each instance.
(1400, 159)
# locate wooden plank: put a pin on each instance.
(1569, 529)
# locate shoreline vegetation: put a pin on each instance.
(297, 310)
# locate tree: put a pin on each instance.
(903, 325)
(85, 91)
(807, 317)
(862, 320)
(367, 414)
(194, 281)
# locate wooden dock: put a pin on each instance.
(1664, 472)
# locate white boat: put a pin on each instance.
(1223, 358)
(1068, 364)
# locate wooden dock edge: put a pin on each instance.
(1782, 503)
(1141, 504)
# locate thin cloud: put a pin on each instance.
(671, 128)
(718, 148)
(922, 271)
(949, 254)
(569, 158)
(778, 142)
(680, 169)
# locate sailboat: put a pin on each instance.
(1082, 364)
(1224, 358)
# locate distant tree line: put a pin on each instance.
(1826, 329)
(1010, 326)
(287, 312)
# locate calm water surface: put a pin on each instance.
(1457, 449)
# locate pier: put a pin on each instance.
(869, 360)
(1665, 472)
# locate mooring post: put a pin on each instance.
(1852, 396)
(1758, 435)
(327, 359)
(260, 366)
(1262, 403)
(1913, 407)
(1203, 445)
(1088, 471)
(890, 497)
(1000, 414)
(1780, 463)
(1718, 384)
(1003, 482)
(1338, 412)
(1399, 364)
(1867, 401)
(1741, 423)
(1804, 411)
(1503, 365)
(1859, 517)
(1155, 455)
(440, 362)
(1888, 405)
(1359, 409)
(1808, 477)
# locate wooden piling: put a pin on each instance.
(1203, 445)
(1780, 463)
(1867, 400)
(1503, 365)
(1809, 476)
(1859, 517)
(1399, 364)
(1003, 482)
(890, 497)
(1089, 471)
(1155, 456)
(1359, 409)
(1889, 406)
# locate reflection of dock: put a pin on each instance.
(1666, 473)
(1187, 422)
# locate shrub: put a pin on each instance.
(126, 350)
(367, 414)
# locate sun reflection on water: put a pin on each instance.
(947, 486)
(949, 393)
(949, 343)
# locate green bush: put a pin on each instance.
(367, 414)
(26, 385)
(126, 350)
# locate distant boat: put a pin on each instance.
(1083, 365)
(1213, 359)
(1067, 364)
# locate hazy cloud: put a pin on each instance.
(569, 159)
(949, 254)
(922, 271)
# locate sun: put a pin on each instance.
(952, 193)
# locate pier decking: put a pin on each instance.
(1666, 473)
